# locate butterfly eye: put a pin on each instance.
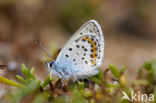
(51, 64)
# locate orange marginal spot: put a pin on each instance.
(94, 49)
(93, 44)
(85, 38)
(90, 40)
(93, 62)
(93, 55)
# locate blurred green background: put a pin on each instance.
(128, 27)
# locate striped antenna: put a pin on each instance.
(41, 47)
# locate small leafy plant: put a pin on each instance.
(106, 87)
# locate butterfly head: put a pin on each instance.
(50, 64)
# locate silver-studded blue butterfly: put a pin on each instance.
(82, 54)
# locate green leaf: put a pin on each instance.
(112, 85)
(98, 78)
(39, 82)
(21, 79)
(9, 82)
(27, 72)
(123, 69)
(150, 65)
(115, 71)
(151, 68)
(81, 85)
(147, 65)
(32, 70)
(46, 81)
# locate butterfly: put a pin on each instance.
(81, 55)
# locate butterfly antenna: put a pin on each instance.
(41, 47)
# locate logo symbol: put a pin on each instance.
(125, 96)
(138, 97)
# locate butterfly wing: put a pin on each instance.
(84, 51)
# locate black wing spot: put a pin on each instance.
(85, 49)
(77, 46)
(95, 43)
(67, 55)
(82, 58)
(86, 62)
(76, 40)
(81, 33)
(74, 60)
(70, 49)
(65, 71)
(84, 54)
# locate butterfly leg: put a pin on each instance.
(62, 81)
(51, 74)
(76, 78)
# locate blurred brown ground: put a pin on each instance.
(128, 27)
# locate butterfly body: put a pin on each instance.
(82, 54)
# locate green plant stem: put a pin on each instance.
(11, 83)
(46, 81)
